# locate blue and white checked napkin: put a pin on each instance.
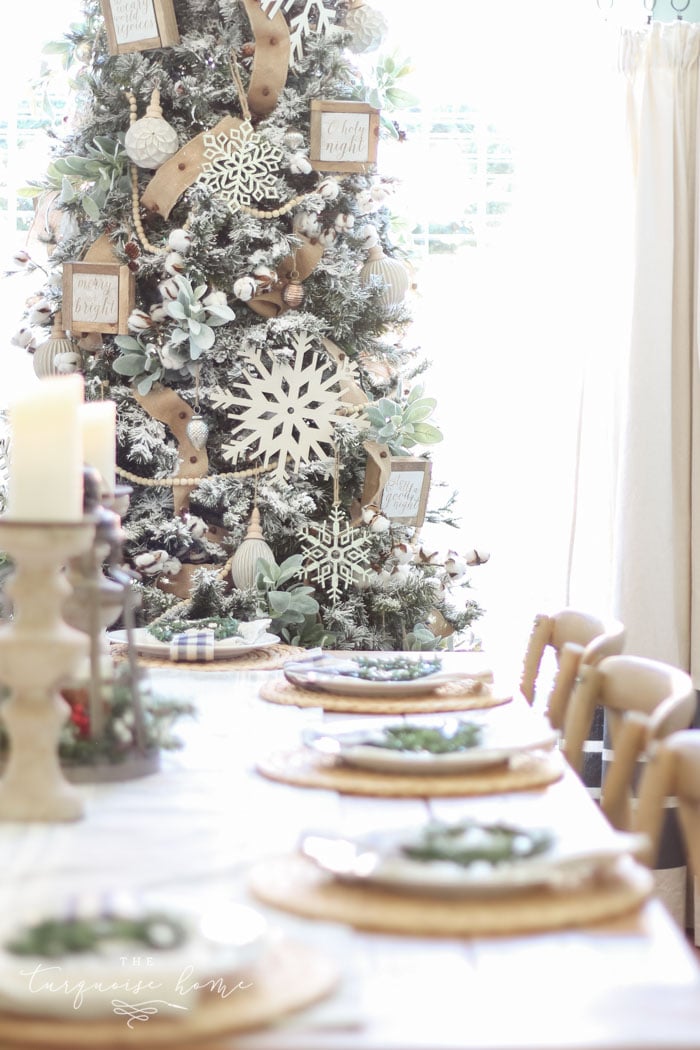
(193, 645)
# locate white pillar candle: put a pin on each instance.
(99, 425)
(46, 452)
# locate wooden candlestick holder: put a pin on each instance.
(38, 652)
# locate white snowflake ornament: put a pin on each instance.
(284, 412)
(336, 553)
(240, 167)
(314, 18)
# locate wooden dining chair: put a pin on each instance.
(572, 635)
(643, 701)
(671, 771)
(576, 638)
(670, 785)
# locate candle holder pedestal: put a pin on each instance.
(38, 652)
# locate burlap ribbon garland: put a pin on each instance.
(164, 404)
(377, 472)
(270, 59)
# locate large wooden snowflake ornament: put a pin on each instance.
(303, 24)
(240, 167)
(284, 412)
(336, 553)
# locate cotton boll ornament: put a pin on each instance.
(40, 312)
(150, 563)
(244, 288)
(328, 189)
(475, 557)
(403, 553)
(67, 363)
(24, 337)
(150, 141)
(180, 241)
(139, 321)
(369, 236)
(196, 526)
(299, 164)
(174, 264)
(307, 223)
(344, 222)
(265, 278)
(169, 289)
(373, 518)
(455, 566)
(327, 238)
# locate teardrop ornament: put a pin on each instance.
(197, 431)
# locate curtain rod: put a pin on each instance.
(679, 6)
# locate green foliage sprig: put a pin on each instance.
(293, 609)
(401, 425)
(93, 177)
(196, 317)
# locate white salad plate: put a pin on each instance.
(360, 744)
(222, 945)
(332, 674)
(147, 645)
(377, 858)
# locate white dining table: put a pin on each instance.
(197, 827)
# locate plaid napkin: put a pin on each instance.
(193, 645)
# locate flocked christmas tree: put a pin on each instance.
(223, 269)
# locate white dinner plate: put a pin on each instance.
(147, 645)
(328, 674)
(222, 945)
(500, 741)
(377, 858)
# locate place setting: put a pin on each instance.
(468, 877)
(509, 748)
(210, 644)
(387, 683)
(120, 969)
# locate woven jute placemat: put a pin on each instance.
(289, 977)
(448, 697)
(303, 767)
(294, 884)
(271, 658)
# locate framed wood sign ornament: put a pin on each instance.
(139, 25)
(398, 485)
(97, 297)
(344, 135)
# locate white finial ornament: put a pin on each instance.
(151, 141)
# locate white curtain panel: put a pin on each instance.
(657, 545)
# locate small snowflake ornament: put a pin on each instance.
(337, 554)
(314, 18)
(240, 167)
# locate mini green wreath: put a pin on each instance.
(222, 626)
(392, 668)
(53, 938)
(470, 842)
(431, 739)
